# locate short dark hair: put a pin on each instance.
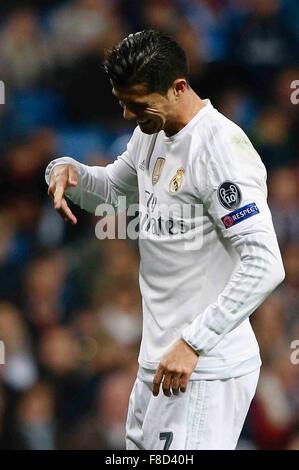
(149, 57)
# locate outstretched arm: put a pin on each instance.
(88, 186)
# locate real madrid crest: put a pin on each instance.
(158, 169)
(177, 181)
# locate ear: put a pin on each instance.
(179, 86)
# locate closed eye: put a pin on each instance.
(133, 106)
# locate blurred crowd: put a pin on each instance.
(70, 308)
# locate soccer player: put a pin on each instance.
(201, 274)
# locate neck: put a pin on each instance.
(190, 105)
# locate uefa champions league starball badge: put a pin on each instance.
(229, 195)
(177, 181)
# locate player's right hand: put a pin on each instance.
(62, 177)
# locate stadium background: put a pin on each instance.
(70, 314)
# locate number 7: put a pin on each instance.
(167, 437)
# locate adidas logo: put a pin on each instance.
(142, 165)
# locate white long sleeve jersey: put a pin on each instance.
(202, 272)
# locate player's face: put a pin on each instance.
(151, 111)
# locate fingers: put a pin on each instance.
(73, 176)
(157, 381)
(66, 212)
(166, 384)
(175, 385)
(57, 186)
(63, 177)
(59, 192)
(171, 384)
(184, 383)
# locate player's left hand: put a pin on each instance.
(175, 369)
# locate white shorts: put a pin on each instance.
(209, 415)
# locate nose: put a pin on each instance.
(128, 115)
